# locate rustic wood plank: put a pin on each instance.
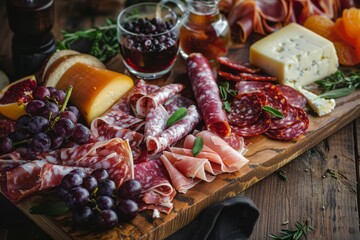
(311, 192)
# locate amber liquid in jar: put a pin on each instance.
(207, 33)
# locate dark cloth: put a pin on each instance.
(228, 220)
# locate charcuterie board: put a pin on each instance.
(265, 157)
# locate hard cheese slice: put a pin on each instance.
(295, 55)
(95, 90)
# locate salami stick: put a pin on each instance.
(207, 94)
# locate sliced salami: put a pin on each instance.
(245, 77)
(119, 119)
(156, 98)
(293, 131)
(229, 65)
(293, 96)
(106, 132)
(153, 177)
(236, 142)
(175, 132)
(260, 126)
(289, 118)
(245, 109)
(177, 102)
(156, 118)
(6, 165)
(274, 96)
(207, 94)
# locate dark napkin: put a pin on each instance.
(229, 220)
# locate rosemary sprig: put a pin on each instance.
(102, 40)
(301, 230)
(339, 84)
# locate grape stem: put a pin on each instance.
(67, 97)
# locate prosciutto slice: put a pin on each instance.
(181, 183)
(192, 167)
(264, 17)
(230, 157)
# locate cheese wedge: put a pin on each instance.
(320, 105)
(295, 55)
(95, 90)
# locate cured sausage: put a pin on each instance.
(155, 121)
(207, 94)
(293, 96)
(156, 98)
(246, 108)
(174, 133)
(256, 128)
(177, 102)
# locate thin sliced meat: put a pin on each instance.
(105, 132)
(289, 118)
(207, 94)
(245, 77)
(228, 65)
(189, 143)
(181, 183)
(174, 133)
(274, 96)
(6, 165)
(158, 97)
(154, 201)
(119, 119)
(236, 142)
(293, 96)
(259, 127)
(153, 177)
(192, 167)
(245, 109)
(23, 181)
(51, 175)
(177, 102)
(230, 157)
(156, 119)
(298, 128)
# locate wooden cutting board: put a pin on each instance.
(265, 155)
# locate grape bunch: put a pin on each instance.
(93, 198)
(49, 124)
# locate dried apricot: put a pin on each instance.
(339, 29)
(351, 18)
(321, 25)
(346, 54)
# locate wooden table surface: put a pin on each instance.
(321, 183)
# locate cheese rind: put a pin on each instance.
(295, 55)
(320, 105)
(95, 90)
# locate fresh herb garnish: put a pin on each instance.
(198, 146)
(301, 230)
(49, 209)
(337, 93)
(340, 80)
(176, 116)
(282, 175)
(225, 91)
(103, 40)
(273, 111)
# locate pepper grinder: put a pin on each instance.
(31, 22)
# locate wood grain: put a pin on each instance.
(305, 187)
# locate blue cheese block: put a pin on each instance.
(295, 55)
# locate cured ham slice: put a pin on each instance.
(192, 167)
(23, 180)
(230, 157)
(264, 17)
(181, 183)
(158, 97)
(218, 164)
(174, 133)
(6, 165)
(207, 94)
